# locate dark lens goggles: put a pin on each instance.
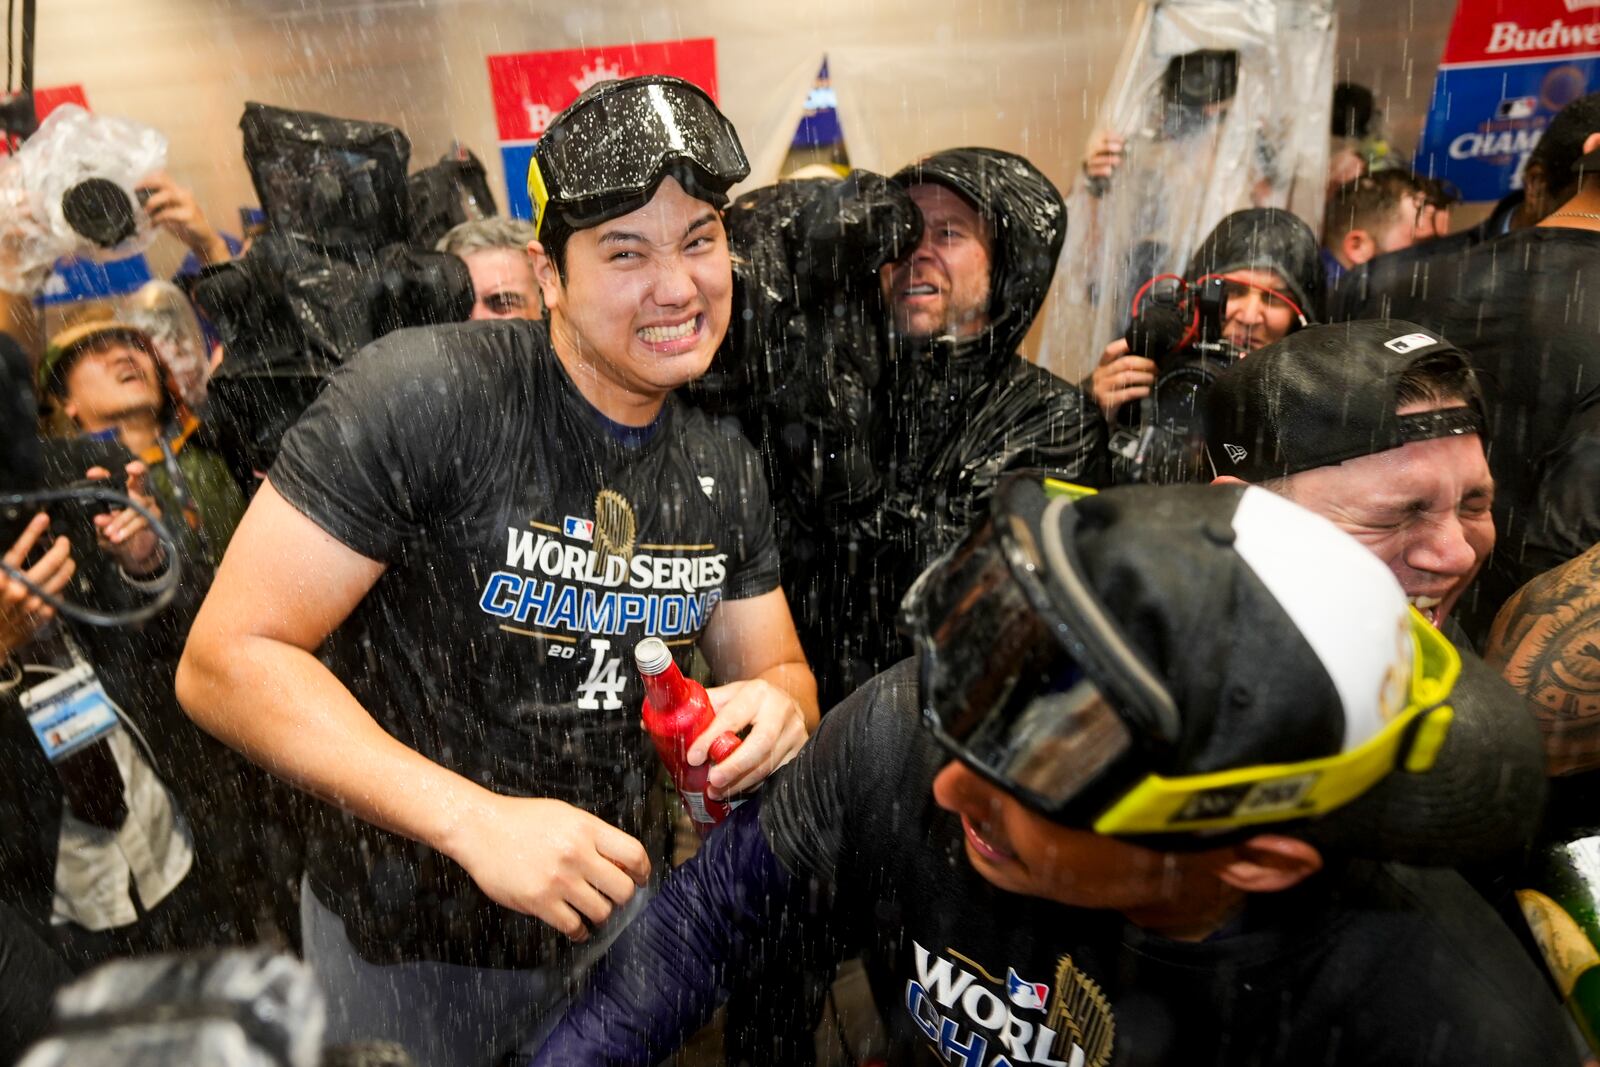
(606, 156)
(1006, 686)
(1054, 708)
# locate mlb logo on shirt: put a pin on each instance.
(582, 529)
(1026, 994)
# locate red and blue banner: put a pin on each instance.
(531, 88)
(1508, 67)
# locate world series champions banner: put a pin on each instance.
(1508, 67)
(531, 88)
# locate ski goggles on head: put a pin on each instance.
(1036, 690)
(605, 156)
(1050, 710)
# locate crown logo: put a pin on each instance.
(588, 77)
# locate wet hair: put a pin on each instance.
(1439, 378)
(483, 235)
(1371, 202)
(1561, 145)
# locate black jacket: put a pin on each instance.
(882, 450)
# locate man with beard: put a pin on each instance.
(879, 370)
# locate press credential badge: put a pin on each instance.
(69, 711)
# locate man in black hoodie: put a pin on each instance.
(1272, 265)
(877, 367)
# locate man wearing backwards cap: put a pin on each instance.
(1376, 426)
(1114, 814)
(486, 518)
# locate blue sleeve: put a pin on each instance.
(669, 970)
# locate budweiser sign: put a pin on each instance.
(1510, 38)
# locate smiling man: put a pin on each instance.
(485, 519)
(1377, 426)
(1148, 794)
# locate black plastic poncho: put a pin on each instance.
(880, 450)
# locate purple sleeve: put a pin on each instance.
(668, 971)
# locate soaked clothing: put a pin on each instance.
(1364, 963)
(882, 449)
(527, 550)
(1519, 306)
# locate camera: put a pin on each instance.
(335, 271)
(1179, 325)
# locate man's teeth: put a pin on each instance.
(1428, 605)
(657, 334)
(921, 290)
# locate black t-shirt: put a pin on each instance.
(1365, 963)
(1517, 305)
(528, 550)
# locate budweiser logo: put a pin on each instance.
(1510, 37)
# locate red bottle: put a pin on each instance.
(676, 711)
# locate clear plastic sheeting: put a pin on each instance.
(1223, 105)
(232, 1009)
(160, 309)
(71, 147)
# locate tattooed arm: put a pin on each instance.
(1546, 641)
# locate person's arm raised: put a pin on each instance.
(249, 676)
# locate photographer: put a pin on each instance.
(1254, 279)
(104, 376)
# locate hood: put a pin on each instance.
(1266, 238)
(1027, 218)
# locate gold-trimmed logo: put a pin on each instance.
(615, 529)
(1080, 1013)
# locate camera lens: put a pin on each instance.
(100, 210)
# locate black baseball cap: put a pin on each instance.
(1183, 665)
(1326, 394)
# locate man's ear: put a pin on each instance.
(1358, 247)
(1591, 142)
(1228, 479)
(545, 273)
(1268, 863)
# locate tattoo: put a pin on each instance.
(1546, 642)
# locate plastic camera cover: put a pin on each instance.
(72, 145)
(1194, 153)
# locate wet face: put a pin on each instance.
(110, 380)
(503, 281)
(1020, 851)
(1423, 508)
(644, 301)
(1256, 313)
(942, 288)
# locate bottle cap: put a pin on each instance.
(723, 746)
(652, 656)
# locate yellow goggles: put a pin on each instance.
(539, 194)
(1286, 791)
